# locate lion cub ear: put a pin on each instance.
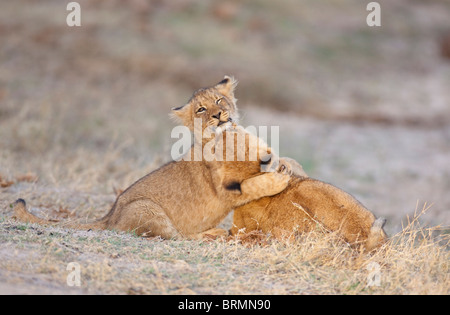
(182, 114)
(227, 87)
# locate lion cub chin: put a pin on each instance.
(188, 198)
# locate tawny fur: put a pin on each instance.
(306, 203)
(186, 198)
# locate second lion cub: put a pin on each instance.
(305, 203)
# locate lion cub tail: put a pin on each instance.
(22, 214)
(377, 236)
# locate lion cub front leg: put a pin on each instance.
(214, 233)
(291, 167)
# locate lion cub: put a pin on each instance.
(302, 205)
(189, 198)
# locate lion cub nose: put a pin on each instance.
(217, 116)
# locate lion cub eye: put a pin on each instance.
(219, 100)
(201, 110)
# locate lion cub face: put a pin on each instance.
(215, 106)
(239, 152)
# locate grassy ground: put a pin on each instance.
(35, 258)
(84, 112)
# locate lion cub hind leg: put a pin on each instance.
(144, 218)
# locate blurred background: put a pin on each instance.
(84, 110)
